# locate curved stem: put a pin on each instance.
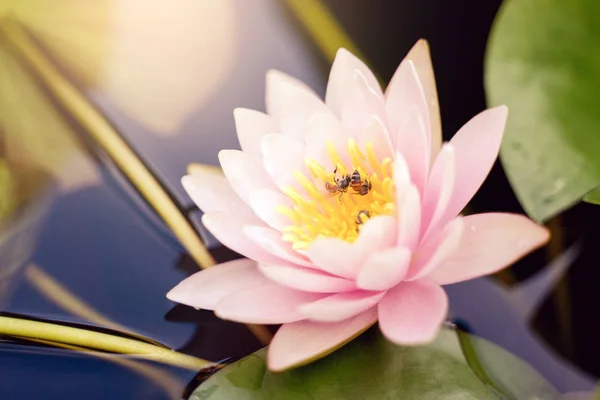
(169, 383)
(99, 341)
(322, 25)
(65, 299)
(101, 130)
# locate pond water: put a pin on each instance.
(105, 245)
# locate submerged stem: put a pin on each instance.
(98, 341)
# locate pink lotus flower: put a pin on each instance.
(329, 265)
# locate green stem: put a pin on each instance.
(98, 341)
(323, 27)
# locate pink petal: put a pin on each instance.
(282, 156)
(301, 342)
(244, 172)
(408, 121)
(267, 304)
(436, 250)
(341, 80)
(211, 191)
(322, 129)
(306, 279)
(377, 233)
(476, 147)
(292, 103)
(336, 256)
(412, 312)
(264, 203)
(375, 133)
(402, 176)
(206, 288)
(439, 190)
(251, 126)
(490, 242)
(361, 103)
(384, 269)
(270, 240)
(419, 55)
(227, 227)
(340, 306)
(409, 216)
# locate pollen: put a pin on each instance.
(336, 202)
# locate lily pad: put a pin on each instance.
(593, 196)
(542, 61)
(455, 366)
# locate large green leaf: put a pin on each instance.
(452, 367)
(543, 61)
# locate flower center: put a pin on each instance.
(336, 203)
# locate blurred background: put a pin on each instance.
(104, 104)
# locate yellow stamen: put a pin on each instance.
(318, 213)
(355, 155)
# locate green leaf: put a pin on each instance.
(370, 367)
(593, 196)
(543, 62)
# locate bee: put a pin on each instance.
(356, 181)
(358, 185)
(366, 187)
(340, 185)
(359, 218)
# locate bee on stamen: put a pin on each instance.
(366, 187)
(340, 185)
(358, 185)
(356, 181)
(361, 218)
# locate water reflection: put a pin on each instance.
(64, 374)
(32, 191)
(109, 257)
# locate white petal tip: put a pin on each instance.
(413, 341)
(345, 56)
(281, 363)
(538, 237)
(240, 112)
(171, 296)
(273, 73)
(500, 112)
(276, 76)
(226, 154)
(342, 52)
(275, 365)
(289, 360)
(420, 46)
(177, 295)
(187, 181)
(447, 148)
(191, 188)
(206, 219)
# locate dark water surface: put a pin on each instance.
(104, 244)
